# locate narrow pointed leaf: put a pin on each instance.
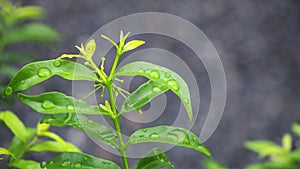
(160, 75)
(29, 12)
(78, 160)
(14, 124)
(133, 45)
(143, 95)
(36, 32)
(37, 72)
(26, 164)
(296, 129)
(264, 147)
(171, 135)
(154, 159)
(212, 164)
(54, 147)
(5, 152)
(55, 103)
(96, 130)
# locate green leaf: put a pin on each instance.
(264, 147)
(163, 76)
(141, 96)
(154, 159)
(171, 135)
(78, 160)
(55, 103)
(96, 130)
(37, 72)
(26, 164)
(29, 12)
(35, 32)
(54, 147)
(132, 45)
(6, 152)
(296, 129)
(8, 70)
(14, 124)
(212, 164)
(287, 142)
(16, 56)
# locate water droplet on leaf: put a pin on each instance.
(144, 130)
(185, 100)
(78, 165)
(43, 164)
(70, 107)
(8, 91)
(156, 89)
(47, 104)
(141, 71)
(57, 63)
(154, 74)
(154, 135)
(173, 84)
(66, 163)
(167, 75)
(44, 72)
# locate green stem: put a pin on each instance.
(112, 72)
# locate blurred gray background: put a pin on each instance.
(258, 43)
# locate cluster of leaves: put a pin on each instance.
(69, 111)
(28, 139)
(18, 25)
(278, 156)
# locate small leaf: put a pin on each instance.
(96, 130)
(29, 12)
(163, 76)
(36, 32)
(143, 95)
(14, 124)
(90, 48)
(171, 135)
(54, 147)
(6, 152)
(78, 160)
(37, 72)
(296, 129)
(55, 103)
(132, 45)
(154, 159)
(264, 147)
(26, 164)
(287, 142)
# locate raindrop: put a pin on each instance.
(57, 63)
(141, 71)
(70, 107)
(47, 104)
(23, 82)
(8, 91)
(85, 158)
(43, 164)
(144, 130)
(154, 135)
(185, 100)
(154, 74)
(195, 138)
(78, 165)
(155, 89)
(44, 72)
(66, 163)
(167, 75)
(173, 84)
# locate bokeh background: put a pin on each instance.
(258, 43)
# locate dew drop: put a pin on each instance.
(144, 130)
(167, 75)
(8, 91)
(51, 162)
(23, 82)
(66, 163)
(194, 138)
(78, 165)
(85, 158)
(44, 72)
(43, 164)
(47, 104)
(57, 63)
(173, 84)
(185, 100)
(154, 74)
(155, 89)
(154, 135)
(141, 71)
(70, 107)
(162, 160)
